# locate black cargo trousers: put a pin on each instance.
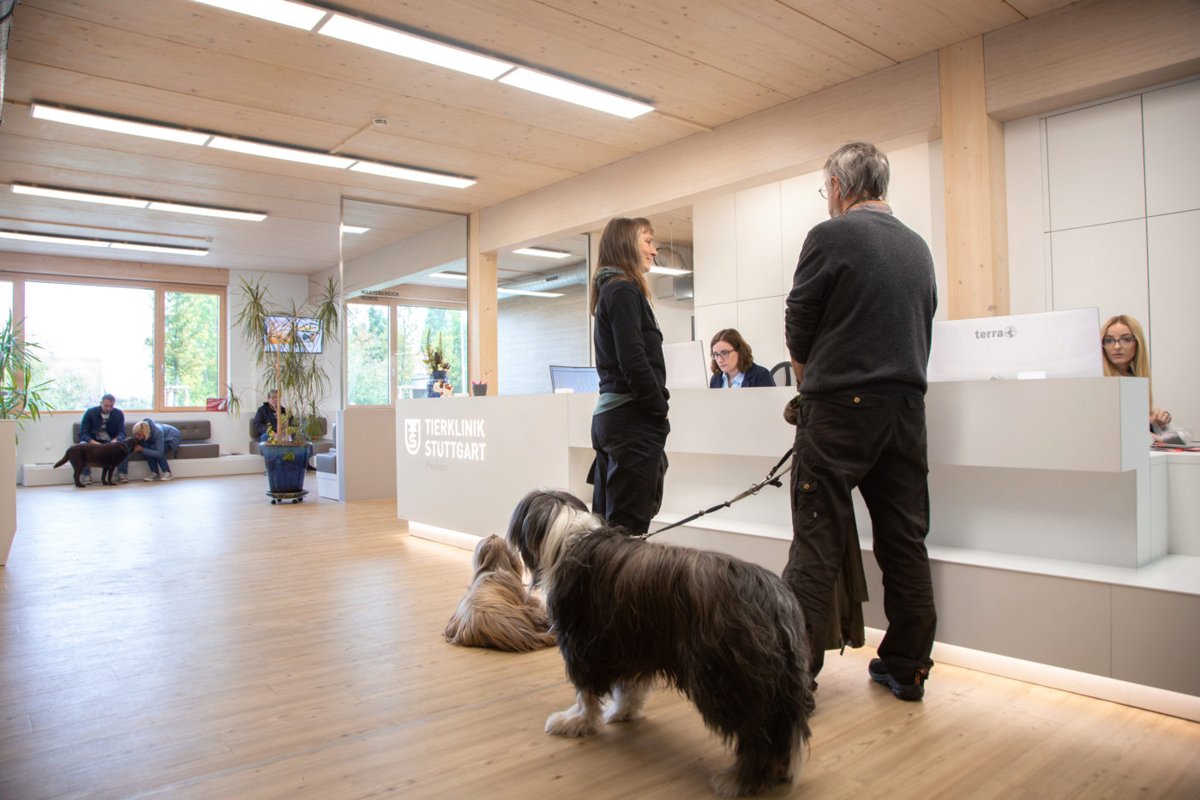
(875, 441)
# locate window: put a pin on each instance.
(191, 348)
(416, 324)
(6, 301)
(94, 339)
(153, 347)
(367, 341)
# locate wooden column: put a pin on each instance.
(481, 311)
(976, 214)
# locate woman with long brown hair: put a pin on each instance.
(629, 425)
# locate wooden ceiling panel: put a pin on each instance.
(904, 29)
(769, 43)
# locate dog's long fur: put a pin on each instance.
(498, 611)
(728, 634)
(108, 456)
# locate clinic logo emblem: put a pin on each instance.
(412, 436)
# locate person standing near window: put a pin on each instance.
(733, 364)
(629, 425)
(103, 424)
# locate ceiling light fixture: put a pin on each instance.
(541, 252)
(74, 241)
(136, 202)
(117, 125)
(207, 211)
(410, 174)
(84, 197)
(354, 229)
(390, 40)
(657, 270)
(251, 147)
(527, 292)
(449, 276)
(265, 150)
(282, 11)
(577, 93)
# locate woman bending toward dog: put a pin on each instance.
(154, 440)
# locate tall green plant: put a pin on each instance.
(20, 397)
(299, 376)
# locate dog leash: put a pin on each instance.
(774, 478)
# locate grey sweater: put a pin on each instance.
(860, 312)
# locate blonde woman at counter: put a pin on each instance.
(1125, 354)
(733, 364)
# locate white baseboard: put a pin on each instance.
(47, 475)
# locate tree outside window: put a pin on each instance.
(367, 345)
(191, 348)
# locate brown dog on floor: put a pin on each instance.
(497, 611)
(108, 456)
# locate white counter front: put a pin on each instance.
(1049, 521)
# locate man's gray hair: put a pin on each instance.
(861, 170)
(108, 397)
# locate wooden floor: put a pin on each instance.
(191, 640)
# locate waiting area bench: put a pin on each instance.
(197, 456)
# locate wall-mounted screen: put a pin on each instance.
(292, 335)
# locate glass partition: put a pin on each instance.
(404, 279)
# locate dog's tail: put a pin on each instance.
(66, 457)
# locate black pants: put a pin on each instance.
(875, 441)
(627, 475)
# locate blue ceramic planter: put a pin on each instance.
(285, 467)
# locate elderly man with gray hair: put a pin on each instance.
(859, 319)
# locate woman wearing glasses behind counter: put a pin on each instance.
(1125, 353)
(733, 364)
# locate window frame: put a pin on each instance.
(160, 288)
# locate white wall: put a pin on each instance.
(1104, 210)
(747, 244)
(535, 332)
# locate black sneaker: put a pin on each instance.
(905, 691)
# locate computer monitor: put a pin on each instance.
(574, 379)
(1051, 344)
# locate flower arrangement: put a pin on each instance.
(432, 355)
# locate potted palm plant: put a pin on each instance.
(20, 399)
(287, 342)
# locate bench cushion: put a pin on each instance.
(192, 430)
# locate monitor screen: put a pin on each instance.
(292, 335)
(1051, 344)
(574, 379)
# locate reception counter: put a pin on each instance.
(1049, 531)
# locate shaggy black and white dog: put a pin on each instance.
(728, 634)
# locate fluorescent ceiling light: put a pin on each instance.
(47, 239)
(450, 276)
(81, 242)
(86, 197)
(527, 292)
(354, 229)
(409, 174)
(398, 43)
(541, 252)
(207, 211)
(160, 248)
(275, 151)
(657, 270)
(577, 93)
(136, 202)
(115, 125)
(281, 11)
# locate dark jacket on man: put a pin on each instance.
(265, 419)
(93, 423)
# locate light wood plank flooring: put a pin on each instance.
(191, 640)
